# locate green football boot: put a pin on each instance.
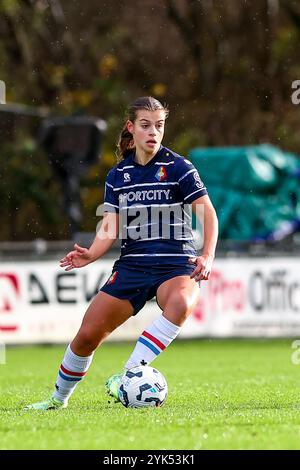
(51, 404)
(112, 386)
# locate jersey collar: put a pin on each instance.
(158, 154)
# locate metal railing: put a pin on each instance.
(40, 249)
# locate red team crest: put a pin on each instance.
(161, 174)
(112, 278)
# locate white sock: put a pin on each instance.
(152, 342)
(71, 372)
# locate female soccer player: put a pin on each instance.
(147, 198)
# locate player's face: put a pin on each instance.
(148, 130)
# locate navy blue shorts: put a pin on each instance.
(138, 281)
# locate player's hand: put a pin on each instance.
(76, 259)
(203, 267)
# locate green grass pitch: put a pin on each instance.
(235, 394)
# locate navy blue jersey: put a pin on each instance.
(154, 204)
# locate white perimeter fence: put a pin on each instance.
(259, 297)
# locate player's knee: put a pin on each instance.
(181, 305)
(87, 341)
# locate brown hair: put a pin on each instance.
(125, 142)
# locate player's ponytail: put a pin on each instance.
(125, 142)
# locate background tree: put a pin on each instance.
(224, 68)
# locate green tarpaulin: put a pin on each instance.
(255, 190)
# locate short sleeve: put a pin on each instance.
(190, 184)
(111, 203)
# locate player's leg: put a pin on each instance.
(104, 315)
(177, 297)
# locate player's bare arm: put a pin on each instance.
(209, 219)
(105, 238)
